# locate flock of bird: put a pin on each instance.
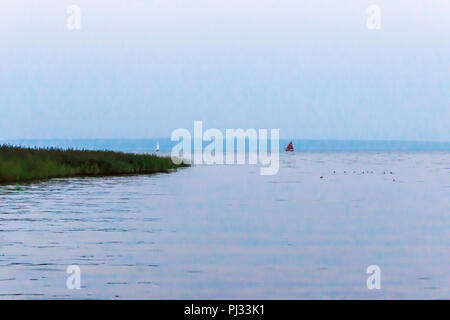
(364, 172)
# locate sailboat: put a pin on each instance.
(157, 146)
(290, 147)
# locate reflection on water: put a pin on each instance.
(227, 232)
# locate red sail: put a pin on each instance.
(290, 147)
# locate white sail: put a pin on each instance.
(157, 146)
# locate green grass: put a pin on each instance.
(19, 164)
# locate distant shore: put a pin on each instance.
(166, 145)
(18, 164)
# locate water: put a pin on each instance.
(228, 232)
(166, 145)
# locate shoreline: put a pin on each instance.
(23, 164)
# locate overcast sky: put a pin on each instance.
(142, 68)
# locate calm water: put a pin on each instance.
(227, 232)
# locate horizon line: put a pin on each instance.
(281, 138)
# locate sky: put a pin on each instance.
(143, 68)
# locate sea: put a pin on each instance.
(334, 212)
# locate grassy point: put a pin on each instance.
(19, 164)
